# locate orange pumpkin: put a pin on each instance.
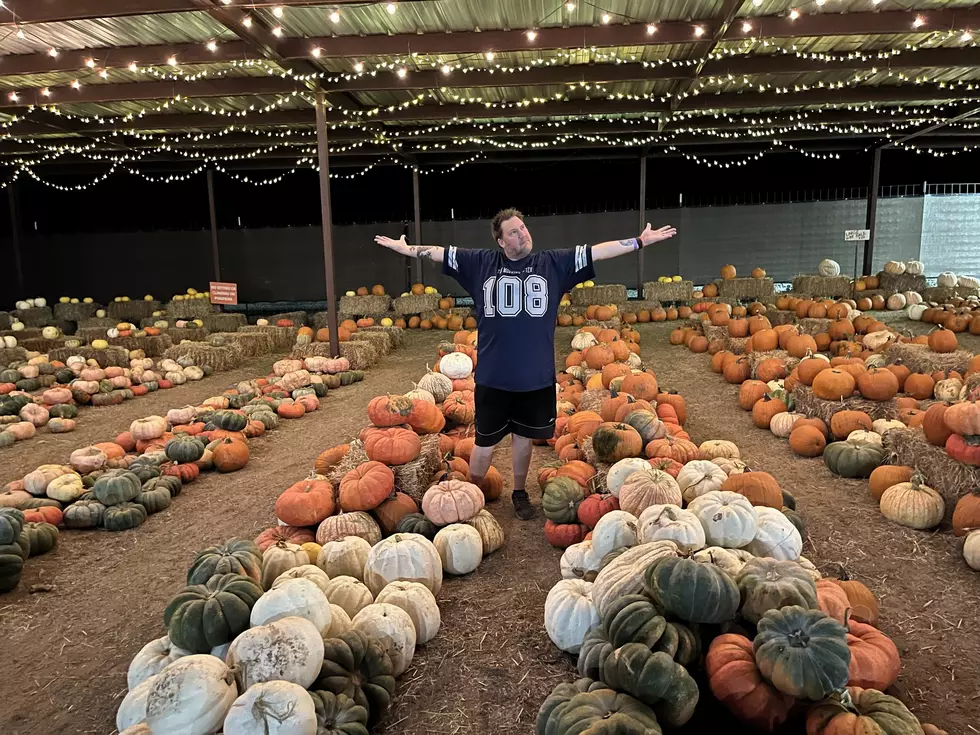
(492, 484)
(391, 511)
(366, 486)
(807, 441)
(230, 455)
(735, 680)
(392, 446)
(760, 488)
(307, 502)
(330, 458)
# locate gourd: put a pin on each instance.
(357, 666)
(191, 696)
(767, 584)
(344, 557)
(775, 536)
(203, 616)
(569, 613)
(620, 471)
(296, 597)
(697, 593)
(132, 710)
(654, 679)
(272, 708)
(623, 575)
(393, 628)
(828, 268)
(579, 561)
(339, 526)
(913, 504)
(659, 522)
(728, 519)
(152, 658)
(290, 649)
(407, 557)
(281, 557)
(491, 534)
(418, 601)
(646, 488)
(460, 548)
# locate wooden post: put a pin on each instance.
(214, 227)
(16, 233)
(418, 217)
(326, 221)
(872, 214)
(643, 224)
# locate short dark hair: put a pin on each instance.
(502, 216)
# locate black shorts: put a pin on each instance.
(530, 414)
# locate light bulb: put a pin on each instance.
(212, 45)
(918, 22)
(821, 2)
(746, 27)
(698, 31)
(391, 8)
(967, 36)
(446, 69)
(75, 84)
(757, 3)
(335, 16)
(226, 2)
(277, 31)
(794, 14)
(132, 66)
(20, 34)
(13, 96)
(651, 29)
(172, 61)
(53, 53)
(606, 17)
(358, 67)
(402, 73)
(531, 35)
(104, 74)
(490, 55)
(316, 52)
(247, 21)
(569, 7)
(46, 92)
(277, 11)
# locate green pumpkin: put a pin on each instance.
(802, 652)
(696, 593)
(319, 389)
(184, 448)
(45, 368)
(7, 439)
(788, 500)
(10, 405)
(597, 710)
(849, 460)
(299, 392)
(417, 523)
(890, 715)
(154, 500)
(596, 648)
(9, 375)
(80, 397)
(172, 483)
(680, 643)
(23, 543)
(46, 381)
(43, 537)
(357, 665)
(796, 520)
(229, 420)
(144, 470)
(646, 423)
(236, 556)
(202, 616)
(560, 500)
(35, 503)
(206, 369)
(64, 375)
(91, 478)
(348, 377)
(768, 584)
(338, 714)
(124, 516)
(116, 486)
(634, 619)
(331, 381)
(239, 400)
(11, 524)
(63, 411)
(151, 386)
(267, 418)
(28, 385)
(106, 386)
(11, 566)
(84, 514)
(653, 678)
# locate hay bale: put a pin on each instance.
(591, 400)
(613, 323)
(36, 316)
(920, 359)
(361, 355)
(189, 334)
(414, 478)
(712, 332)
(747, 289)
(102, 323)
(905, 282)
(736, 345)
(10, 355)
(23, 334)
(638, 305)
(891, 316)
(780, 316)
(412, 305)
(822, 286)
(311, 349)
(190, 308)
(282, 337)
(601, 468)
(223, 322)
(75, 312)
(359, 306)
(397, 334)
(87, 334)
(814, 326)
(251, 344)
(756, 357)
(870, 293)
(942, 473)
(668, 292)
(809, 404)
(132, 311)
(463, 312)
(152, 346)
(42, 345)
(614, 293)
(110, 357)
(4, 321)
(572, 310)
(298, 318)
(383, 344)
(967, 291)
(218, 358)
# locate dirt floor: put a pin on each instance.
(66, 651)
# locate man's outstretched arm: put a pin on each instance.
(422, 252)
(606, 250)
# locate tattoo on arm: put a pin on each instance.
(423, 252)
(631, 243)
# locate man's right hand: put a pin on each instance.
(387, 242)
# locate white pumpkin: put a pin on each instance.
(583, 341)
(730, 466)
(614, 530)
(437, 384)
(21, 305)
(339, 622)
(50, 332)
(895, 267)
(968, 282)
(132, 710)
(290, 649)
(776, 536)
(717, 448)
(728, 518)
(945, 390)
(460, 548)
(971, 550)
(349, 594)
(624, 574)
(895, 302)
(729, 561)
(292, 598)
(309, 572)
(579, 561)
(648, 487)
(262, 322)
(946, 279)
(221, 651)
(912, 298)
(418, 601)
(862, 438)
(880, 426)
(281, 557)
(421, 395)
(810, 568)
(9, 341)
(634, 361)
(672, 523)
(914, 267)
(192, 695)
(621, 470)
(828, 268)
(781, 424)
(490, 531)
(153, 658)
(393, 628)
(456, 365)
(344, 557)
(569, 613)
(915, 312)
(409, 557)
(698, 477)
(272, 708)
(876, 340)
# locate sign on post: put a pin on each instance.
(856, 235)
(224, 293)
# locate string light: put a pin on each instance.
(13, 97)
(20, 34)
(277, 31)
(316, 52)
(402, 73)
(359, 67)
(392, 8)
(794, 14)
(76, 84)
(918, 22)
(335, 16)
(490, 55)
(569, 7)
(651, 29)
(967, 36)
(247, 21)
(212, 46)
(172, 61)
(90, 63)
(606, 17)
(53, 53)
(446, 69)
(746, 26)
(46, 92)
(133, 67)
(531, 35)
(277, 11)
(698, 31)
(104, 74)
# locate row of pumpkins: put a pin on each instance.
(661, 591)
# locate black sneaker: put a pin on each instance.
(522, 505)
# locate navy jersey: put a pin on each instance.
(516, 305)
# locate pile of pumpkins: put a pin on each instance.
(21, 538)
(728, 273)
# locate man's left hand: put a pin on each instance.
(650, 235)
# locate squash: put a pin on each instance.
(273, 708)
(418, 601)
(406, 557)
(152, 658)
(560, 499)
(41, 536)
(728, 519)
(344, 557)
(132, 710)
(278, 558)
(654, 679)
(309, 572)
(123, 517)
(913, 504)
(615, 530)
(235, 556)
(735, 680)
(290, 649)
(776, 536)
(296, 597)
(460, 548)
(875, 663)
(649, 487)
(116, 486)
(859, 710)
(623, 575)
(339, 526)
(802, 652)
(621, 470)
(491, 534)
(191, 696)
(569, 613)
(349, 594)
(358, 666)
(338, 714)
(393, 628)
(452, 501)
(587, 707)
(697, 593)
(203, 616)
(698, 477)
(671, 522)
(767, 584)
(851, 460)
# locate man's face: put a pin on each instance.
(514, 238)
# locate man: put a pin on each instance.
(516, 295)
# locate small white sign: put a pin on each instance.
(856, 235)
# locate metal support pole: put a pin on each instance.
(643, 216)
(326, 221)
(418, 217)
(15, 242)
(869, 246)
(214, 227)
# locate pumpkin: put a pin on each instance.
(698, 593)
(560, 499)
(659, 522)
(150, 427)
(942, 340)
(648, 487)
(153, 658)
(236, 556)
(460, 548)
(654, 679)
(776, 536)
(123, 516)
(357, 666)
(41, 536)
(735, 679)
(192, 695)
(842, 423)
(347, 594)
(850, 460)
(84, 514)
(278, 558)
(298, 592)
(289, 534)
(769, 584)
(859, 710)
(452, 501)
(614, 530)
(203, 616)
(569, 613)
(357, 523)
(807, 441)
(833, 384)
(588, 706)
(403, 557)
(623, 575)
(274, 708)
(392, 446)
(760, 488)
(913, 504)
(971, 550)
(290, 650)
(306, 502)
(366, 486)
(418, 602)
(418, 523)
(330, 458)
(727, 518)
(802, 652)
(875, 663)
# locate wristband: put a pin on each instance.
(637, 243)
